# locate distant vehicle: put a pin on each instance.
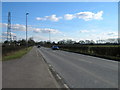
(38, 46)
(55, 48)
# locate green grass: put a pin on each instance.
(16, 54)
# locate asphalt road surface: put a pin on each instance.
(82, 71)
(30, 71)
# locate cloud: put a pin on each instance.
(38, 18)
(40, 38)
(85, 16)
(5, 33)
(81, 15)
(84, 31)
(98, 16)
(103, 35)
(98, 34)
(68, 16)
(46, 30)
(112, 33)
(51, 18)
(3, 24)
(89, 15)
(87, 31)
(19, 27)
(14, 27)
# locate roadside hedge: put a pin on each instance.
(10, 48)
(105, 51)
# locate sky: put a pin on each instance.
(62, 20)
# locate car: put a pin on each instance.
(38, 46)
(55, 48)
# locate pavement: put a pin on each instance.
(30, 71)
(82, 71)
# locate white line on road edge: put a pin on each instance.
(58, 76)
(50, 72)
(54, 78)
(53, 69)
(66, 86)
(49, 65)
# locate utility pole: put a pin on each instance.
(9, 28)
(26, 31)
(15, 38)
(49, 37)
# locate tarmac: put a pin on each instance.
(30, 71)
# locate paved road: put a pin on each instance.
(82, 71)
(30, 71)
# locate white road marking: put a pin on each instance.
(53, 69)
(58, 76)
(66, 86)
(50, 72)
(49, 65)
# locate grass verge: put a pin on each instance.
(16, 54)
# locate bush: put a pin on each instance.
(105, 50)
(10, 48)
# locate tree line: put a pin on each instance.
(31, 42)
(89, 42)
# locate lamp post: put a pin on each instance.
(49, 36)
(26, 31)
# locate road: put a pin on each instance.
(82, 71)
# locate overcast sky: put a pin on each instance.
(64, 20)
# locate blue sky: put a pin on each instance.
(64, 20)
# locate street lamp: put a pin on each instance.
(49, 37)
(26, 31)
